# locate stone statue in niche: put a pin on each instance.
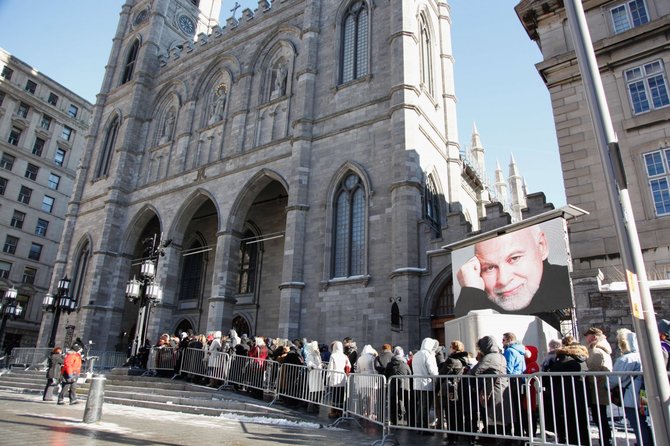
(279, 88)
(218, 104)
(168, 127)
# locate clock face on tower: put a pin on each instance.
(186, 24)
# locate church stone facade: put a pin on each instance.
(303, 161)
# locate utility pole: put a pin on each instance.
(642, 309)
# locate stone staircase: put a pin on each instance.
(123, 387)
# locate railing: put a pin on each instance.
(28, 357)
(543, 408)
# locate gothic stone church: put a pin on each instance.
(303, 160)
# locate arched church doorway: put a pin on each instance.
(442, 310)
(241, 326)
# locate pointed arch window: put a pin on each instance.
(248, 263)
(426, 56)
(80, 273)
(349, 224)
(355, 41)
(107, 149)
(431, 206)
(192, 271)
(129, 67)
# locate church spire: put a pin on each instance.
(501, 186)
(477, 149)
(517, 190)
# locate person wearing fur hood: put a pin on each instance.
(630, 361)
(600, 360)
(572, 425)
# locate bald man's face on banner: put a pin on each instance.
(508, 268)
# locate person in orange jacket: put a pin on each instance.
(69, 373)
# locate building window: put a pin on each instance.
(647, 87)
(5, 269)
(53, 99)
(45, 122)
(59, 158)
(22, 111)
(10, 244)
(426, 56)
(657, 164)
(431, 207)
(349, 224)
(38, 146)
(35, 251)
(130, 62)
(106, 154)
(31, 87)
(3, 185)
(191, 274)
(67, 133)
(248, 261)
(54, 181)
(31, 172)
(47, 203)
(14, 136)
(41, 227)
(17, 219)
(29, 275)
(7, 73)
(24, 195)
(73, 110)
(354, 57)
(629, 15)
(7, 161)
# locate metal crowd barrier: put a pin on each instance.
(366, 397)
(107, 360)
(162, 359)
(543, 408)
(28, 357)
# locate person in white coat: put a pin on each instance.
(314, 376)
(338, 369)
(424, 368)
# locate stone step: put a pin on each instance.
(153, 392)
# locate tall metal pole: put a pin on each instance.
(54, 325)
(644, 319)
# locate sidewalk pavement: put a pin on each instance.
(26, 419)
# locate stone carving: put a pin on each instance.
(168, 127)
(218, 104)
(279, 89)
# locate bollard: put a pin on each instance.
(96, 396)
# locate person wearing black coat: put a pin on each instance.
(400, 387)
(384, 358)
(55, 363)
(451, 393)
(566, 409)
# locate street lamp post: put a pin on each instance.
(9, 308)
(147, 292)
(62, 301)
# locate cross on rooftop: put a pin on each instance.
(235, 8)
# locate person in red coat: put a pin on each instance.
(69, 373)
(531, 367)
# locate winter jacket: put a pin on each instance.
(488, 390)
(424, 365)
(339, 362)
(514, 354)
(55, 363)
(600, 360)
(382, 361)
(366, 360)
(71, 365)
(629, 362)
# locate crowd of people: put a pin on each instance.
(437, 386)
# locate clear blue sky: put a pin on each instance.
(497, 85)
